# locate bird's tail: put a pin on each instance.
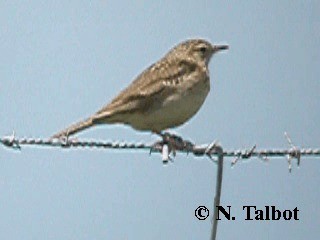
(77, 127)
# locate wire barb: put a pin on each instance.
(246, 154)
(11, 142)
(294, 152)
(211, 148)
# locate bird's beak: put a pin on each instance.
(217, 48)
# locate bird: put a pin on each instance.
(164, 96)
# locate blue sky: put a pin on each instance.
(61, 61)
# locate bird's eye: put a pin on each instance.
(203, 49)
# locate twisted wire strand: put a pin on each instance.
(197, 150)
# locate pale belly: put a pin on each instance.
(174, 111)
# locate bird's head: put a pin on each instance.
(198, 49)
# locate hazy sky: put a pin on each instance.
(63, 60)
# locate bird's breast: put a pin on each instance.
(177, 107)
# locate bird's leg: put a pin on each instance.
(178, 143)
(174, 143)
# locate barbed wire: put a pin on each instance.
(172, 144)
(169, 144)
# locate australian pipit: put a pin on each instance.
(165, 95)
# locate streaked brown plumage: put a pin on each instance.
(165, 95)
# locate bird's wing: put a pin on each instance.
(158, 79)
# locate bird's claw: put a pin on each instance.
(171, 143)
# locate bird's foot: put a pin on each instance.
(171, 143)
